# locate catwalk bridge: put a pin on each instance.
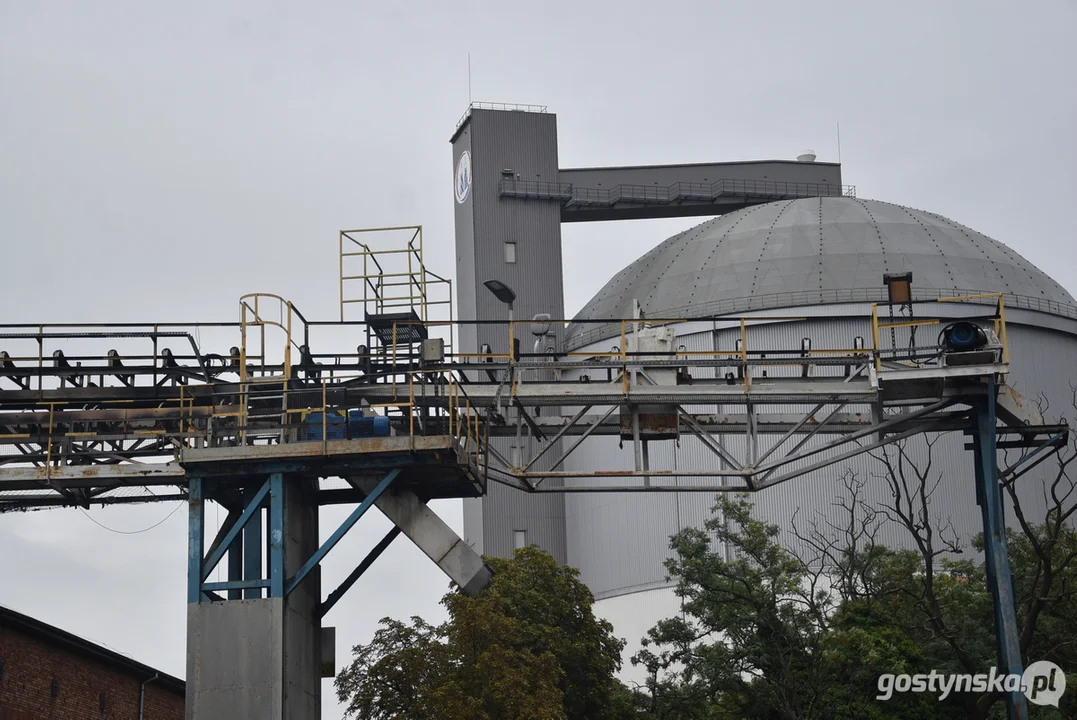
(288, 414)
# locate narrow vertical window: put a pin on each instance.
(510, 252)
(519, 539)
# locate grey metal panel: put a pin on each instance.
(240, 678)
(463, 216)
(772, 170)
(473, 534)
(813, 251)
(526, 144)
(302, 623)
(665, 191)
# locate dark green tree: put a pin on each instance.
(781, 633)
(528, 646)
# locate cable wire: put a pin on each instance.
(134, 532)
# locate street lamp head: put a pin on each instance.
(501, 291)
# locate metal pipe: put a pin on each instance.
(142, 695)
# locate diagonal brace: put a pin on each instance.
(560, 433)
(704, 436)
(341, 531)
(355, 574)
(254, 506)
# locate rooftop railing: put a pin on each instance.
(509, 107)
(579, 337)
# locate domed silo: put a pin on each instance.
(822, 259)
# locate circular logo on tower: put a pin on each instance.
(463, 176)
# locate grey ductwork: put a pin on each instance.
(429, 532)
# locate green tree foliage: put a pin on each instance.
(775, 634)
(528, 646)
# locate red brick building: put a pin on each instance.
(48, 673)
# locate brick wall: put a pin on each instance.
(30, 665)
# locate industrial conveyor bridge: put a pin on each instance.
(83, 423)
(386, 411)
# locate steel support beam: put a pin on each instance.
(361, 568)
(429, 532)
(560, 433)
(704, 436)
(195, 539)
(252, 506)
(345, 526)
(996, 554)
(276, 535)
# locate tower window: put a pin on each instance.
(519, 539)
(510, 252)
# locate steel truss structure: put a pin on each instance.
(149, 423)
(106, 428)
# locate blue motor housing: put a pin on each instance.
(360, 426)
(336, 427)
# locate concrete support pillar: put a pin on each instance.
(259, 657)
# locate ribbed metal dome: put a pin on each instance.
(815, 251)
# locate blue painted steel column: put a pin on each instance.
(276, 535)
(235, 565)
(252, 545)
(996, 554)
(196, 538)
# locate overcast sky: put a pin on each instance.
(157, 160)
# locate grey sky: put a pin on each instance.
(157, 160)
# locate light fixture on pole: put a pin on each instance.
(505, 294)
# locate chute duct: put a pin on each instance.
(653, 350)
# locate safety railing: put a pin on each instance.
(259, 412)
(422, 403)
(42, 356)
(910, 354)
(394, 279)
(584, 333)
(266, 310)
(62, 432)
(510, 107)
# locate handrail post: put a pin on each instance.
(875, 336)
(40, 355)
(451, 406)
(411, 412)
(1004, 334)
(48, 450)
(325, 419)
(341, 258)
(394, 359)
(288, 346)
(744, 354)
